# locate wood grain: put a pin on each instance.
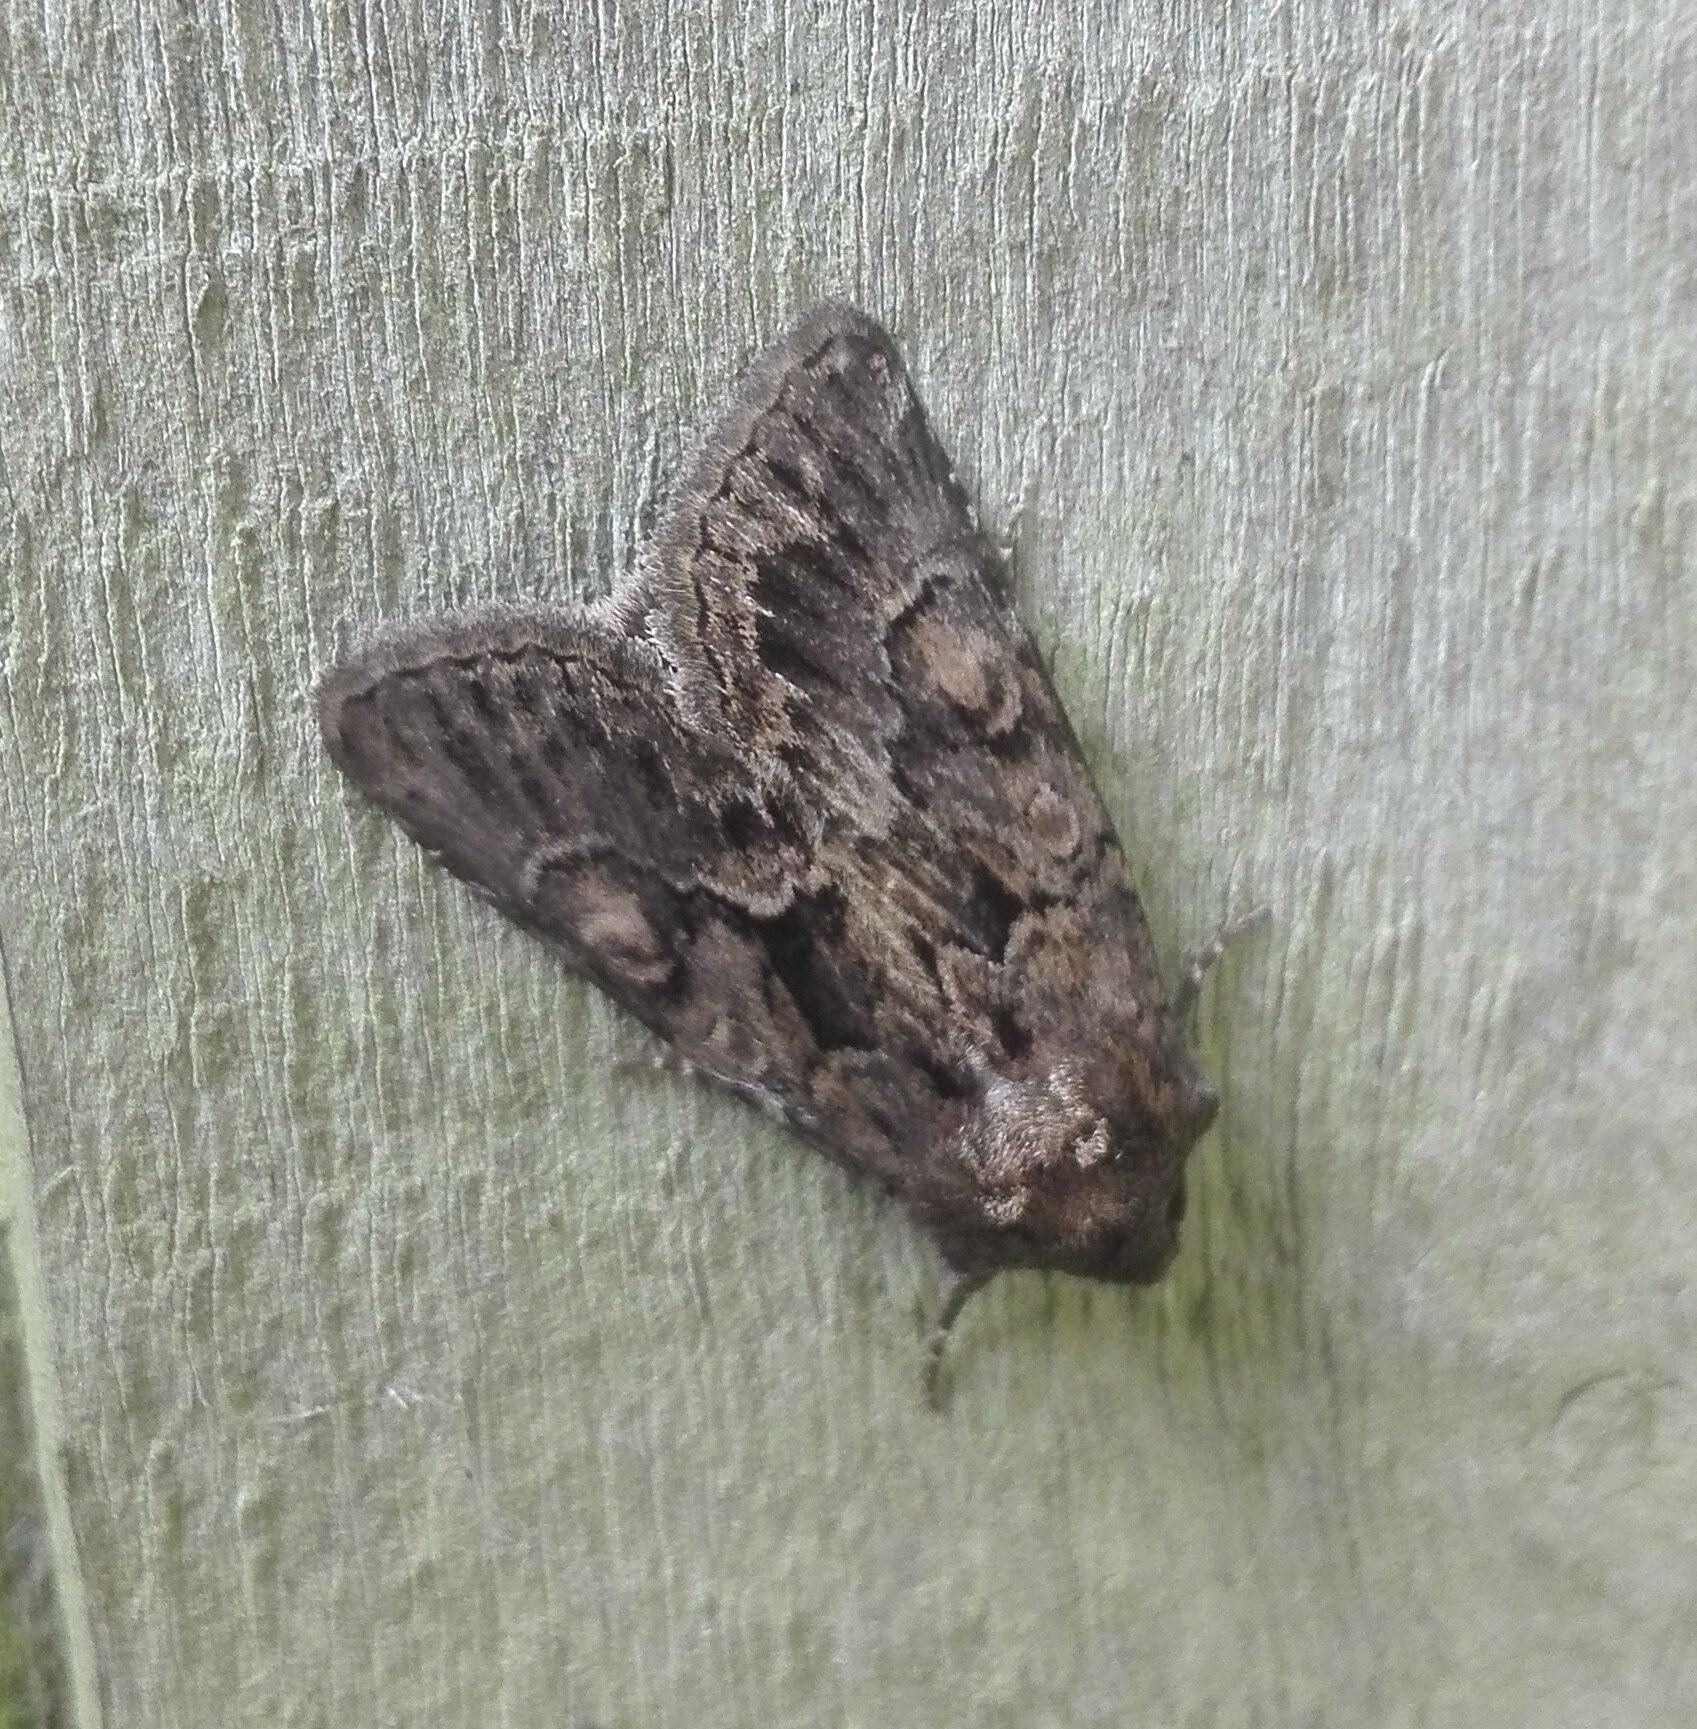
(422, 1356)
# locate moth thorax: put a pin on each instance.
(1025, 1127)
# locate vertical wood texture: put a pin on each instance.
(426, 1357)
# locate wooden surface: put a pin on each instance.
(416, 1352)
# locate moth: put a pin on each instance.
(798, 794)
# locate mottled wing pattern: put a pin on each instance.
(813, 519)
(828, 602)
(539, 757)
(800, 796)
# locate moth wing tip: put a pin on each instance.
(835, 316)
(329, 697)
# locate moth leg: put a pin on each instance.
(1197, 965)
(957, 1288)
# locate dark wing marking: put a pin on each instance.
(540, 758)
(824, 598)
(808, 523)
(798, 795)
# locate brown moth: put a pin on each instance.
(800, 797)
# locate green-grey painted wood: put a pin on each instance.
(47, 1671)
(423, 1354)
(34, 1693)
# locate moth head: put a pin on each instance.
(1081, 1169)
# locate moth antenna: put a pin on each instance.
(957, 1288)
(1197, 965)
